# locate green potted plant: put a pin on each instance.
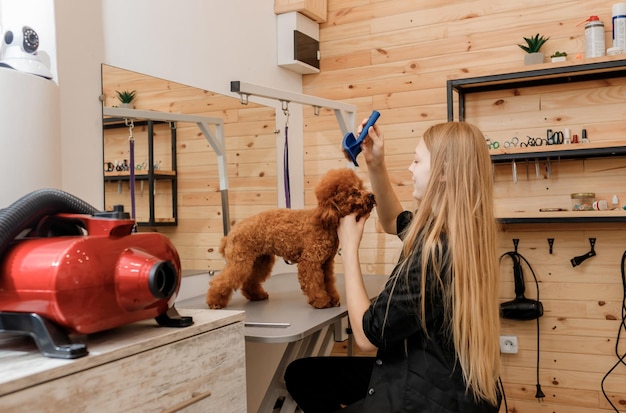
(558, 56)
(532, 48)
(126, 97)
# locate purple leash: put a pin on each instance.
(131, 141)
(287, 185)
(286, 170)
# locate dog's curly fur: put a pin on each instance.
(306, 237)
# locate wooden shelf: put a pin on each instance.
(544, 74)
(538, 75)
(571, 151)
(139, 174)
(538, 217)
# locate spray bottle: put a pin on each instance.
(619, 26)
(594, 37)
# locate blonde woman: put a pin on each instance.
(435, 326)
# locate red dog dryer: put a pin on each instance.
(80, 271)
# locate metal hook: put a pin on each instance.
(285, 108)
(129, 122)
(316, 110)
(243, 98)
(172, 125)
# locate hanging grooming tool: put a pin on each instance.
(537, 168)
(581, 258)
(514, 165)
(548, 168)
(522, 308)
(512, 143)
(352, 146)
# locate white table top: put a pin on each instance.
(286, 305)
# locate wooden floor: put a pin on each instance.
(341, 349)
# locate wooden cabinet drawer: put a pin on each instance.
(203, 373)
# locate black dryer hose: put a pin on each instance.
(32, 207)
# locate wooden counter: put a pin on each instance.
(136, 367)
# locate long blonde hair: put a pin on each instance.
(458, 205)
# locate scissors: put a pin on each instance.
(533, 142)
(492, 145)
(512, 143)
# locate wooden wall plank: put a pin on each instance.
(414, 48)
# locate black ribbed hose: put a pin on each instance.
(32, 207)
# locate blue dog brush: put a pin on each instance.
(351, 145)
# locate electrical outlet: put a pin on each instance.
(508, 344)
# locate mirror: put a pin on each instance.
(180, 195)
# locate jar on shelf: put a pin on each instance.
(583, 201)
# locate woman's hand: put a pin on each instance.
(372, 146)
(350, 232)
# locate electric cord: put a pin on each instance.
(506, 406)
(620, 359)
(516, 257)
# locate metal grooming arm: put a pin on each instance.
(344, 112)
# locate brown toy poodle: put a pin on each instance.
(306, 237)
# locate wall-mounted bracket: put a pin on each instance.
(344, 112)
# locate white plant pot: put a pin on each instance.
(126, 105)
(558, 59)
(533, 58)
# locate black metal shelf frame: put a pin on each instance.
(561, 220)
(530, 78)
(545, 76)
(152, 176)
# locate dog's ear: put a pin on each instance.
(327, 215)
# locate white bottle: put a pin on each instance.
(594, 37)
(619, 26)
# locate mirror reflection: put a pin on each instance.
(176, 186)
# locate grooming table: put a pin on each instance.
(286, 317)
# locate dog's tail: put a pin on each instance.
(222, 246)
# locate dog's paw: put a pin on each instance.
(215, 301)
(215, 306)
(323, 301)
(255, 295)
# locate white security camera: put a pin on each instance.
(27, 39)
(19, 52)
